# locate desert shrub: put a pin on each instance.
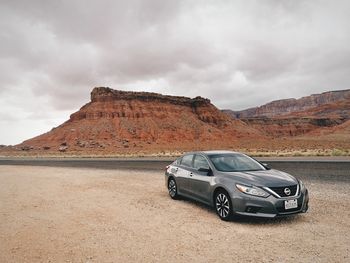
(338, 152)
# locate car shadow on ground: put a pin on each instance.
(290, 219)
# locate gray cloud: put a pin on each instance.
(237, 53)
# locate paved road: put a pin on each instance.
(319, 169)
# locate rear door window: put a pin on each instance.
(200, 162)
(187, 160)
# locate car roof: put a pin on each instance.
(211, 152)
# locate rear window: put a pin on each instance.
(177, 161)
(187, 160)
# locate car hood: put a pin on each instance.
(269, 178)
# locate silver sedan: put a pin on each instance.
(235, 183)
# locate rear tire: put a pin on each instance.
(223, 205)
(172, 188)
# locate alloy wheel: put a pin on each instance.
(172, 188)
(223, 206)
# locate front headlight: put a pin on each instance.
(252, 190)
(301, 185)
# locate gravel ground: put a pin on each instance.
(50, 214)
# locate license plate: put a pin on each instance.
(289, 204)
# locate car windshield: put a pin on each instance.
(235, 163)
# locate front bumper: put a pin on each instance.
(271, 206)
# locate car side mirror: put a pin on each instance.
(267, 166)
(205, 170)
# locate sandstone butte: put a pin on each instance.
(117, 122)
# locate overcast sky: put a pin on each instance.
(239, 54)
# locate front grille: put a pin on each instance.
(281, 193)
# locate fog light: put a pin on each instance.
(252, 209)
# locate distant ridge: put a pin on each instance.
(287, 106)
(296, 117)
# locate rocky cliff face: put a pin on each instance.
(103, 94)
(119, 121)
(112, 104)
(288, 106)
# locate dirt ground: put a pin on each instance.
(50, 214)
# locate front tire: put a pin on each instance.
(172, 188)
(223, 205)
